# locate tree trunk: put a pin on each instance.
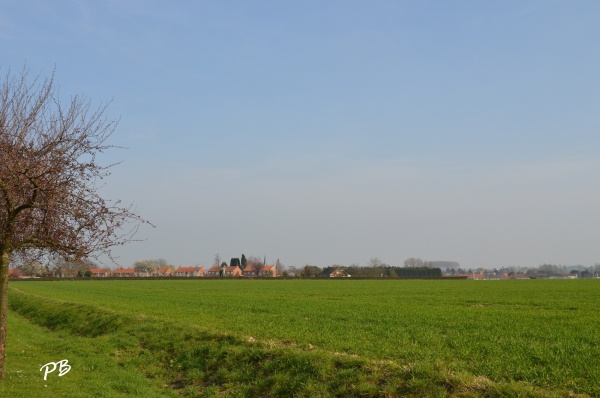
(3, 306)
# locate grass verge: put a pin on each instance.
(94, 372)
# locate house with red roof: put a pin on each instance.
(233, 271)
(124, 272)
(190, 272)
(268, 271)
(100, 272)
(250, 271)
(15, 273)
(214, 271)
(164, 271)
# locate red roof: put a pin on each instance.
(15, 273)
(214, 268)
(232, 271)
(190, 269)
(124, 271)
(100, 270)
(69, 272)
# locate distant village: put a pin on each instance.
(149, 271)
(253, 267)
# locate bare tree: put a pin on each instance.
(161, 262)
(64, 268)
(310, 271)
(413, 262)
(50, 180)
(32, 268)
(293, 271)
(256, 262)
(375, 262)
(279, 267)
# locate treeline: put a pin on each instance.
(393, 272)
(355, 271)
(542, 271)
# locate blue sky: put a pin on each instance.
(333, 132)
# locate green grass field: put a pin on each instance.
(318, 337)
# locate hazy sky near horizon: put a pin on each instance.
(331, 132)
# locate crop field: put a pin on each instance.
(317, 337)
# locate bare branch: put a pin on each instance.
(49, 171)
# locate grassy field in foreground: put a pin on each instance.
(93, 374)
(518, 336)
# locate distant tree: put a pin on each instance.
(161, 262)
(279, 267)
(310, 271)
(293, 272)
(217, 260)
(148, 267)
(32, 268)
(375, 262)
(65, 268)
(223, 264)
(413, 262)
(88, 274)
(358, 271)
(244, 262)
(585, 274)
(256, 262)
(235, 262)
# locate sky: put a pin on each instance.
(333, 132)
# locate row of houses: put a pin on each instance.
(191, 272)
(187, 272)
